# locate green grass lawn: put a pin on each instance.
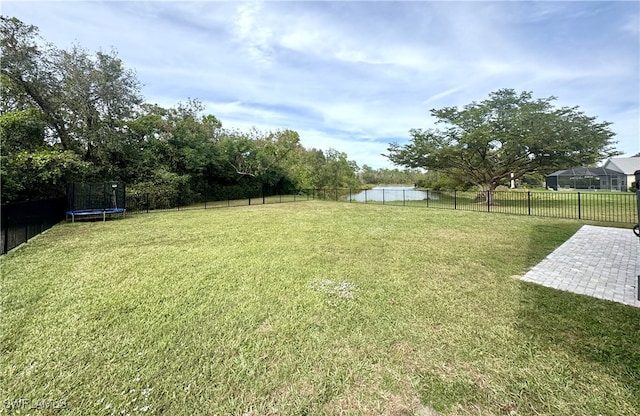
(308, 308)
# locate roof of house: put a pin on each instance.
(582, 171)
(626, 165)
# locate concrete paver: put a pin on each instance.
(601, 262)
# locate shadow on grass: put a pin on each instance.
(599, 333)
(604, 332)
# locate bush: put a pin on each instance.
(42, 174)
(231, 192)
(166, 190)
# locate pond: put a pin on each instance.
(392, 193)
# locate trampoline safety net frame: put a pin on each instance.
(95, 199)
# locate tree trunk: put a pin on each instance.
(488, 193)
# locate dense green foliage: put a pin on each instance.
(68, 115)
(508, 133)
(382, 176)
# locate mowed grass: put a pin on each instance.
(309, 308)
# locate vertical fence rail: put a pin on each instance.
(579, 208)
(5, 240)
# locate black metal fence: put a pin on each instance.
(614, 207)
(24, 220)
(153, 202)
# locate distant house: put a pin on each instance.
(584, 178)
(625, 165)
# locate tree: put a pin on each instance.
(508, 133)
(368, 175)
(22, 130)
(41, 174)
(97, 96)
(30, 168)
(331, 169)
(84, 99)
(63, 115)
(176, 149)
(27, 72)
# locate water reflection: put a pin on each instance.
(392, 193)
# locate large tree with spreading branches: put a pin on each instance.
(506, 135)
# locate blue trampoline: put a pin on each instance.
(95, 200)
(94, 213)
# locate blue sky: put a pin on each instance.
(355, 76)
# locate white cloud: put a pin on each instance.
(442, 94)
(632, 24)
(254, 36)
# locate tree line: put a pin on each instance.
(73, 116)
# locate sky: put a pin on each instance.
(357, 75)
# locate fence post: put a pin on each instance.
(26, 229)
(529, 202)
(427, 198)
(336, 194)
(147, 199)
(403, 203)
(455, 199)
(5, 246)
(365, 196)
(579, 208)
(489, 200)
